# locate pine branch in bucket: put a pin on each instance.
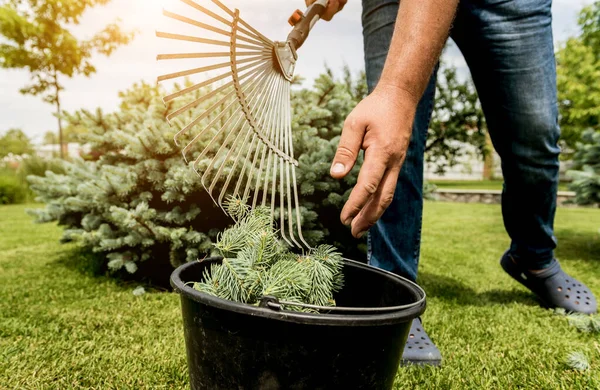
(256, 263)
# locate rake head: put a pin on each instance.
(240, 141)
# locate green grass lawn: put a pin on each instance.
(62, 328)
(478, 185)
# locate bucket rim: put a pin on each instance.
(404, 314)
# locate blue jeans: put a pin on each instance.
(508, 46)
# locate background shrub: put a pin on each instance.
(139, 205)
(12, 189)
(144, 209)
(586, 169)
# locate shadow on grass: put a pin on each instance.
(449, 289)
(94, 265)
(575, 244)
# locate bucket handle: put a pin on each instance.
(271, 302)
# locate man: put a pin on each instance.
(508, 46)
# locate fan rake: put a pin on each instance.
(246, 132)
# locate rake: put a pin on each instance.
(248, 128)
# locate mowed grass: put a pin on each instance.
(63, 328)
(478, 185)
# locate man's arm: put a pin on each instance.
(381, 124)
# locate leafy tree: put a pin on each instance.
(15, 141)
(589, 21)
(71, 133)
(37, 37)
(457, 119)
(586, 169)
(578, 74)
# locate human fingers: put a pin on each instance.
(333, 7)
(377, 205)
(348, 148)
(367, 185)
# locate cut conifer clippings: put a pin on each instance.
(256, 264)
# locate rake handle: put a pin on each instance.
(303, 23)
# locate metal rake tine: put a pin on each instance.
(192, 71)
(197, 102)
(241, 149)
(202, 116)
(252, 149)
(264, 147)
(240, 117)
(216, 17)
(290, 152)
(261, 144)
(244, 130)
(184, 56)
(203, 69)
(207, 12)
(241, 125)
(209, 126)
(257, 40)
(196, 23)
(252, 32)
(209, 95)
(208, 111)
(252, 88)
(245, 142)
(285, 147)
(261, 104)
(245, 165)
(266, 119)
(253, 94)
(191, 38)
(281, 192)
(208, 82)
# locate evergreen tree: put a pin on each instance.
(136, 202)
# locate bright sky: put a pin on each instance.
(336, 43)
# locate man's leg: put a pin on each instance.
(509, 49)
(394, 242)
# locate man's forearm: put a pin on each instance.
(422, 28)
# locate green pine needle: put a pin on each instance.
(578, 361)
(585, 323)
(257, 264)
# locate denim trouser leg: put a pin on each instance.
(394, 242)
(508, 46)
(509, 49)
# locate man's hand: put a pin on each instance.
(381, 125)
(333, 8)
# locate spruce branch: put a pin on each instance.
(577, 361)
(585, 323)
(257, 264)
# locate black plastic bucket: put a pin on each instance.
(238, 346)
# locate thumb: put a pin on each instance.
(348, 148)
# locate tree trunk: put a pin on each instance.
(60, 130)
(488, 165)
